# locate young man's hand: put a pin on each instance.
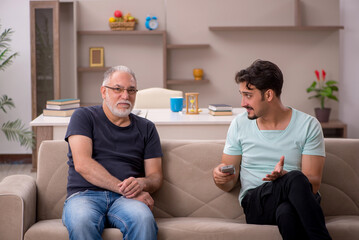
(221, 178)
(278, 171)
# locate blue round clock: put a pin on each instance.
(151, 23)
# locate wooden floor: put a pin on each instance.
(11, 169)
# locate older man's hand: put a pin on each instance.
(146, 198)
(131, 187)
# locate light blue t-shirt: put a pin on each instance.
(262, 149)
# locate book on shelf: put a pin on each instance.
(58, 113)
(219, 107)
(63, 101)
(62, 107)
(220, 113)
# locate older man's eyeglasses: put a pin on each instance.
(130, 91)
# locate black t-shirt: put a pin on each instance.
(120, 150)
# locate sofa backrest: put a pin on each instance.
(51, 179)
(188, 188)
(340, 182)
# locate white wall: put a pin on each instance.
(349, 64)
(15, 81)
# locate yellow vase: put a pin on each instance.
(198, 73)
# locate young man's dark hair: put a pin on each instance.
(263, 75)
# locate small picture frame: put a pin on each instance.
(96, 57)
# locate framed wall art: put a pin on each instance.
(96, 57)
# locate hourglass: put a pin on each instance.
(192, 103)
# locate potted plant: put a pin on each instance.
(13, 130)
(323, 90)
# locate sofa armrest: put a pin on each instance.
(17, 206)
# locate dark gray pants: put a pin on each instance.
(289, 203)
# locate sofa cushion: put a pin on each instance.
(343, 227)
(55, 230)
(47, 229)
(213, 228)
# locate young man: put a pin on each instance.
(114, 163)
(279, 154)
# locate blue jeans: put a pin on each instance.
(87, 213)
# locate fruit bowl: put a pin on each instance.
(122, 23)
(122, 26)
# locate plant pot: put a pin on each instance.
(322, 114)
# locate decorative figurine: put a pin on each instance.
(151, 23)
(192, 103)
(198, 73)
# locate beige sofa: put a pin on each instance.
(188, 206)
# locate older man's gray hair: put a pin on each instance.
(120, 68)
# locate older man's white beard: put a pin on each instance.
(119, 112)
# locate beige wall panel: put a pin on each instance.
(188, 21)
(320, 12)
(89, 87)
(297, 53)
(251, 13)
(94, 15)
(143, 54)
(298, 56)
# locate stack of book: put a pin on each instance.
(220, 109)
(61, 107)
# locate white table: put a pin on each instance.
(179, 125)
(170, 125)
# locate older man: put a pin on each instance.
(114, 163)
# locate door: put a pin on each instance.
(45, 57)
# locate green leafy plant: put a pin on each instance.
(13, 130)
(323, 89)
